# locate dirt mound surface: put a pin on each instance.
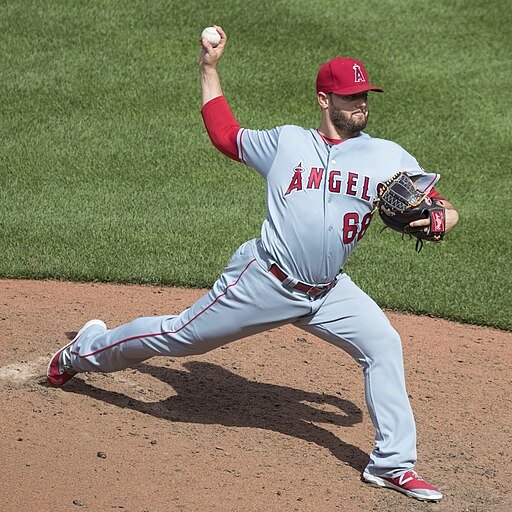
(276, 421)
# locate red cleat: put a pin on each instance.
(409, 483)
(59, 369)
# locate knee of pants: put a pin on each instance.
(387, 345)
(382, 345)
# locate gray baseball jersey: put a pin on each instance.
(319, 195)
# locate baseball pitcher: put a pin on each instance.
(322, 188)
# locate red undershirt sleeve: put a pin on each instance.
(434, 194)
(222, 126)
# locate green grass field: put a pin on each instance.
(107, 172)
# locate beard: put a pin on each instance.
(346, 123)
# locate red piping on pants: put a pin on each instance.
(169, 332)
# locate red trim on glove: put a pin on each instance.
(222, 126)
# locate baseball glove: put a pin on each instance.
(400, 202)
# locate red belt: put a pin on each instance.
(310, 290)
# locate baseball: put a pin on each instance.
(211, 35)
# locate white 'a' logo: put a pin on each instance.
(358, 74)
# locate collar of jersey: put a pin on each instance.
(328, 140)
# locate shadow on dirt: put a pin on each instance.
(210, 394)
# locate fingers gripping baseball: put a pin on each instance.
(211, 53)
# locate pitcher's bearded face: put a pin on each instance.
(349, 113)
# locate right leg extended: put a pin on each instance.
(245, 300)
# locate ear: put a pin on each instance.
(323, 100)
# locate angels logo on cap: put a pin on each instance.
(358, 75)
(344, 76)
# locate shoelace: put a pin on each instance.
(417, 476)
(65, 361)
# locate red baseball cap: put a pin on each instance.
(343, 76)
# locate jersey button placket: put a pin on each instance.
(328, 219)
